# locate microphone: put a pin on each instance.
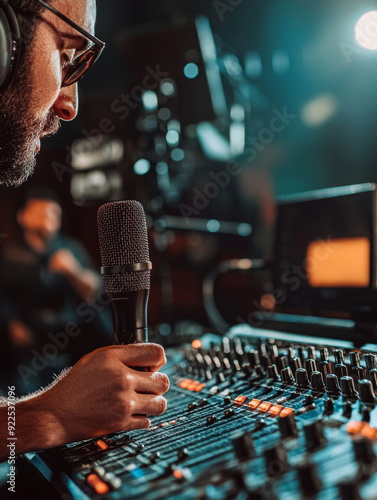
(126, 269)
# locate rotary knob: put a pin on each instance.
(366, 392)
(332, 384)
(286, 376)
(317, 381)
(363, 450)
(310, 366)
(370, 361)
(302, 379)
(347, 387)
(272, 372)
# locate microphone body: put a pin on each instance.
(130, 316)
(126, 268)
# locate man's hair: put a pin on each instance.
(40, 194)
(27, 12)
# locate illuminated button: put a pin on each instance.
(254, 403)
(199, 387)
(99, 486)
(240, 400)
(275, 410)
(354, 427)
(184, 383)
(192, 385)
(286, 411)
(196, 344)
(264, 407)
(101, 444)
(368, 431)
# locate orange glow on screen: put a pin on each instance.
(339, 263)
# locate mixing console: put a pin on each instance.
(247, 418)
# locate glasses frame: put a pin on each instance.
(94, 51)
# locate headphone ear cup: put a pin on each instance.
(6, 46)
(10, 40)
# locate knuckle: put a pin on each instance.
(157, 351)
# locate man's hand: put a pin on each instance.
(64, 262)
(101, 394)
(19, 334)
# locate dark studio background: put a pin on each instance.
(304, 55)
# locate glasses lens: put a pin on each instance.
(81, 66)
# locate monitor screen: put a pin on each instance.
(325, 251)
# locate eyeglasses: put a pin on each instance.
(85, 61)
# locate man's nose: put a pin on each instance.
(66, 104)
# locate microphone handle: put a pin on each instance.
(130, 316)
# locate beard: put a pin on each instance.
(20, 131)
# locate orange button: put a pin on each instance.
(286, 411)
(101, 444)
(275, 410)
(265, 406)
(192, 385)
(240, 400)
(354, 427)
(254, 403)
(184, 383)
(368, 431)
(95, 482)
(199, 387)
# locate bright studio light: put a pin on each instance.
(366, 30)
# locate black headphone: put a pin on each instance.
(10, 41)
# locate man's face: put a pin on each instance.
(41, 218)
(35, 103)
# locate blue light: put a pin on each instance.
(142, 167)
(213, 226)
(191, 71)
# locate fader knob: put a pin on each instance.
(370, 361)
(314, 434)
(317, 381)
(324, 368)
(310, 366)
(341, 370)
(355, 359)
(276, 460)
(347, 387)
(309, 480)
(366, 392)
(272, 372)
(295, 364)
(373, 378)
(302, 377)
(329, 407)
(363, 450)
(357, 372)
(243, 445)
(287, 426)
(332, 385)
(339, 356)
(349, 490)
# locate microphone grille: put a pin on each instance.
(123, 239)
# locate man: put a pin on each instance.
(103, 392)
(47, 281)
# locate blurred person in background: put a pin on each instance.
(47, 280)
